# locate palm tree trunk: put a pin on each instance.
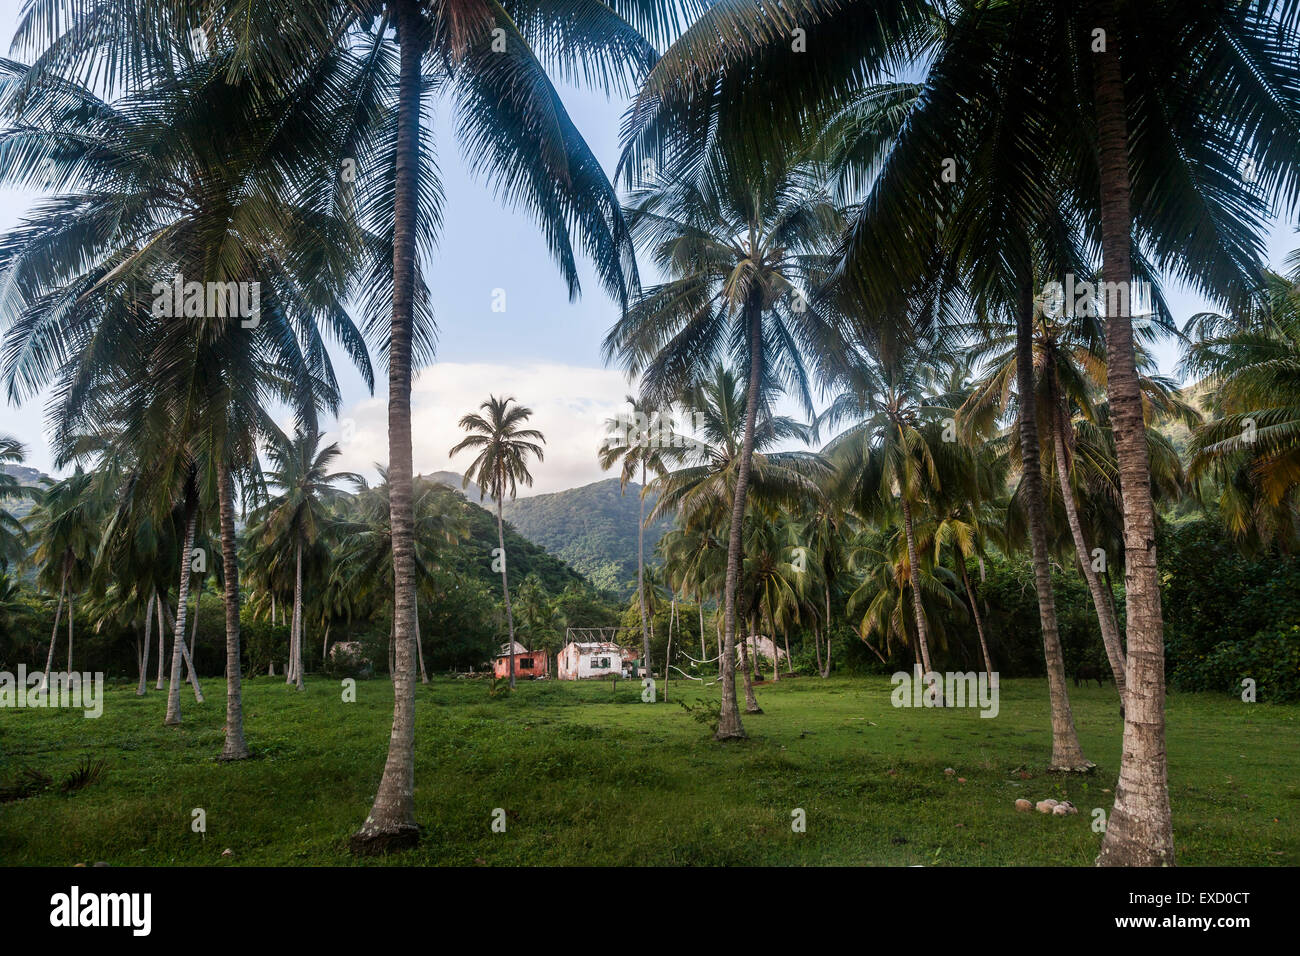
(640, 579)
(699, 603)
(817, 645)
(776, 664)
(914, 579)
(729, 725)
(979, 622)
(162, 642)
(419, 644)
(391, 822)
(1066, 752)
(235, 748)
(182, 606)
(194, 628)
(751, 702)
(144, 658)
(1105, 609)
(54, 634)
(505, 588)
(1139, 831)
(297, 618)
(827, 671)
(70, 616)
(190, 676)
(785, 638)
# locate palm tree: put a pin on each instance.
(744, 256)
(501, 465)
(297, 517)
(66, 524)
(892, 453)
(1251, 361)
(994, 77)
(130, 373)
(13, 535)
(643, 440)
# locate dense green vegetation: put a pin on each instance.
(588, 774)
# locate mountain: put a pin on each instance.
(592, 528)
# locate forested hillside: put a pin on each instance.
(592, 528)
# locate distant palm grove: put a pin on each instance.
(887, 279)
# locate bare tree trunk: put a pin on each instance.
(391, 821)
(699, 603)
(776, 664)
(144, 658)
(729, 725)
(979, 622)
(190, 677)
(178, 633)
(785, 636)
(70, 616)
(162, 641)
(505, 588)
(194, 629)
(54, 635)
(750, 700)
(640, 578)
(419, 643)
(235, 747)
(1139, 831)
(914, 579)
(1066, 752)
(297, 618)
(827, 671)
(1105, 609)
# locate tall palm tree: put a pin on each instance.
(296, 517)
(501, 465)
(744, 256)
(890, 455)
(643, 440)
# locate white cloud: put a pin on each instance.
(570, 406)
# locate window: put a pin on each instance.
(526, 663)
(602, 662)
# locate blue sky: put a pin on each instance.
(543, 349)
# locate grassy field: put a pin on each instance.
(591, 775)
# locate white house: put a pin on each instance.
(578, 661)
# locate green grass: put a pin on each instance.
(589, 775)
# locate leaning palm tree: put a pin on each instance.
(501, 465)
(297, 515)
(744, 254)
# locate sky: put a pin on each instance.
(543, 349)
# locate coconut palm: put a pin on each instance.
(13, 535)
(66, 523)
(744, 256)
(500, 467)
(643, 440)
(297, 515)
(1251, 360)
